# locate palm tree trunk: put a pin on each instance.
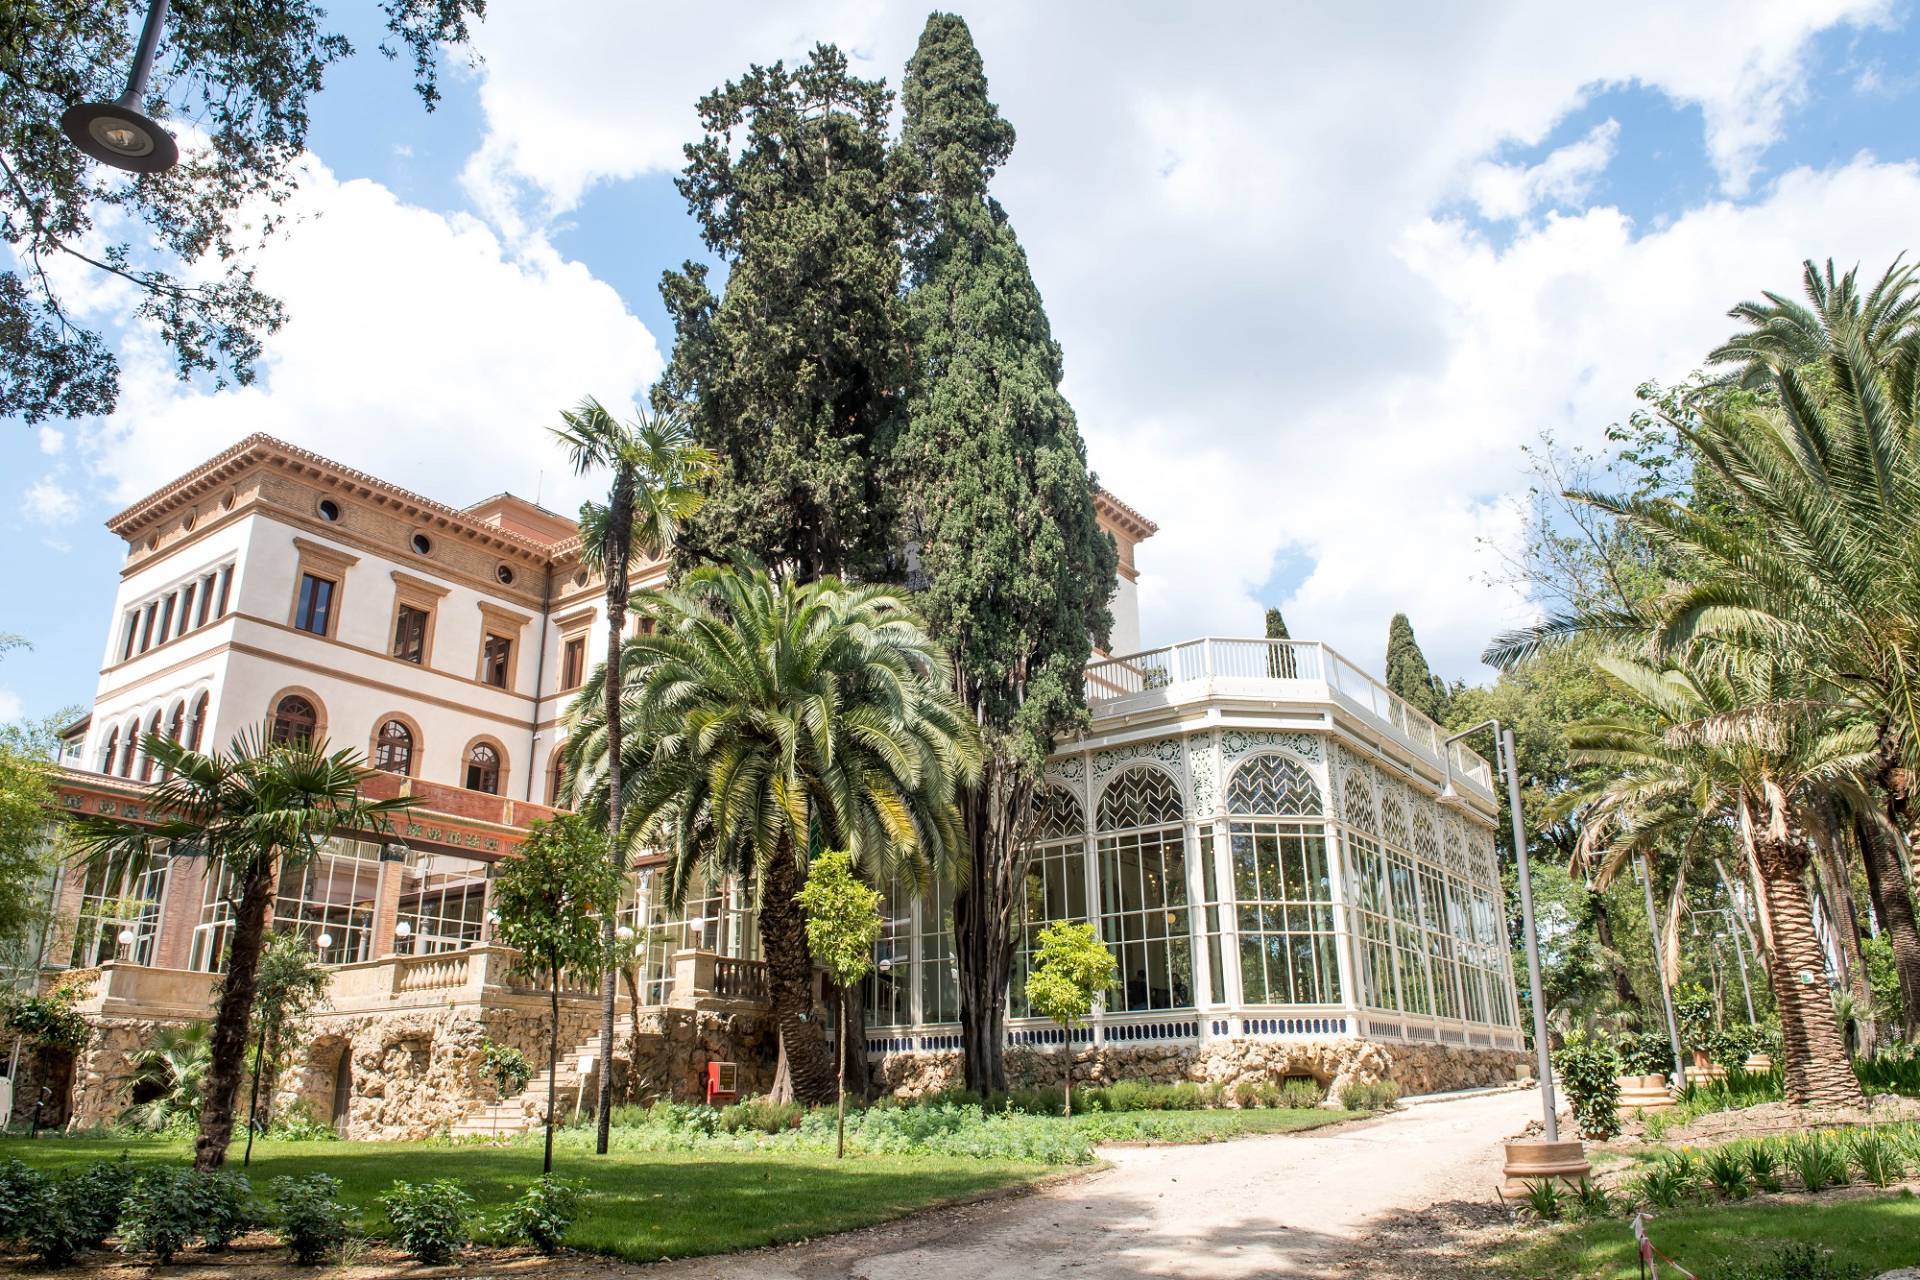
(1843, 912)
(993, 814)
(783, 939)
(227, 1057)
(1893, 907)
(1818, 1071)
(619, 548)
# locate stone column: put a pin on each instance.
(386, 901)
(180, 912)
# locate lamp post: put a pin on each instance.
(126, 944)
(1549, 1157)
(118, 133)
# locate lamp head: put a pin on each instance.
(1451, 797)
(116, 134)
(403, 930)
(126, 937)
(324, 941)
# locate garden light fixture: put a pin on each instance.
(118, 133)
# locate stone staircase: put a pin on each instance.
(527, 1109)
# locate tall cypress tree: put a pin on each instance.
(996, 495)
(1276, 626)
(1407, 671)
(792, 375)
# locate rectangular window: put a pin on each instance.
(120, 892)
(166, 618)
(1285, 913)
(573, 662)
(494, 656)
(146, 628)
(186, 609)
(315, 609)
(226, 581)
(890, 986)
(206, 600)
(133, 631)
(443, 901)
(410, 634)
(328, 900)
(939, 980)
(1054, 888)
(1144, 919)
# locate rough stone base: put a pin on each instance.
(1335, 1063)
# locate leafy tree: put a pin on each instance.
(253, 810)
(552, 899)
(655, 467)
(1070, 968)
(843, 923)
(27, 839)
(1408, 674)
(290, 985)
(792, 375)
(773, 720)
(1276, 626)
(243, 74)
(997, 499)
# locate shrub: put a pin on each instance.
(541, 1216)
(61, 1224)
(506, 1067)
(162, 1214)
(1645, 1053)
(1138, 1095)
(1661, 1187)
(432, 1221)
(297, 1124)
(1301, 1093)
(1371, 1095)
(1591, 1201)
(1794, 1261)
(1875, 1156)
(1588, 1071)
(309, 1217)
(1890, 1071)
(1764, 1162)
(761, 1114)
(1818, 1160)
(97, 1194)
(225, 1208)
(1255, 1093)
(21, 1191)
(1727, 1173)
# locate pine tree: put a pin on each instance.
(792, 375)
(997, 497)
(1276, 626)
(1408, 674)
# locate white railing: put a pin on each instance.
(1287, 661)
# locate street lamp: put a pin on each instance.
(126, 943)
(118, 133)
(1548, 1158)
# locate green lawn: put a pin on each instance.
(1877, 1234)
(647, 1204)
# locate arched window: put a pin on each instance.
(129, 748)
(1282, 888)
(113, 745)
(197, 722)
(1055, 885)
(146, 761)
(393, 748)
(1143, 890)
(295, 720)
(177, 722)
(483, 768)
(556, 778)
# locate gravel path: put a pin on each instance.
(1365, 1199)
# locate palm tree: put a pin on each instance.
(172, 1073)
(1812, 548)
(773, 720)
(1735, 743)
(656, 474)
(252, 810)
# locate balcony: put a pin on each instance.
(1283, 670)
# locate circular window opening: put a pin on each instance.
(186, 521)
(226, 503)
(505, 574)
(580, 578)
(329, 510)
(422, 544)
(153, 540)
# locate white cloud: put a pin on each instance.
(11, 706)
(1564, 177)
(419, 349)
(48, 502)
(52, 440)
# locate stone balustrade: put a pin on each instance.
(702, 978)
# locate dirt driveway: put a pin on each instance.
(1354, 1201)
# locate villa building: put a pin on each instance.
(1255, 827)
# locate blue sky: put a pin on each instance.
(1318, 275)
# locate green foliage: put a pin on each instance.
(26, 793)
(64, 1223)
(1895, 1070)
(50, 1020)
(1588, 1071)
(1408, 674)
(244, 79)
(1545, 1201)
(1369, 1095)
(1876, 1157)
(552, 897)
(1071, 966)
(225, 1207)
(1794, 1260)
(308, 1216)
(1663, 1186)
(1766, 1163)
(162, 1213)
(542, 1216)
(506, 1067)
(1592, 1203)
(1819, 1160)
(1693, 1011)
(762, 1115)
(1727, 1172)
(172, 1072)
(432, 1221)
(21, 1189)
(1645, 1053)
(843, 918)
(297, 1124)
(290, 984)
(1276, 626)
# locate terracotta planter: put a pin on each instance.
(1758, 1064)
(1640, 1094)
(1537, 1160)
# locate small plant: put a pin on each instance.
(1369, 1095)
(162, 1214)
(1592, 1203)
(1793, 1261)
(225, 1208)
(61, 1225)
(96, 1194)
(1727, 1173)
(1656, 1124)
(1545, 1201)
(1875, 1156)
(432, 1221)
(1763, 1159)
(1819, 1161)
(1661, 1187)
(309, 1217)
(506, 1067)
(1589, 1071)
(762, 1115)
(1255, 1093)
(297, 1124)
(541, 1216)
(21, 1191)
(1301, 1093)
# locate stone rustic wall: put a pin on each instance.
(1335, 1063)
(673, 1047)
(101, 1068)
